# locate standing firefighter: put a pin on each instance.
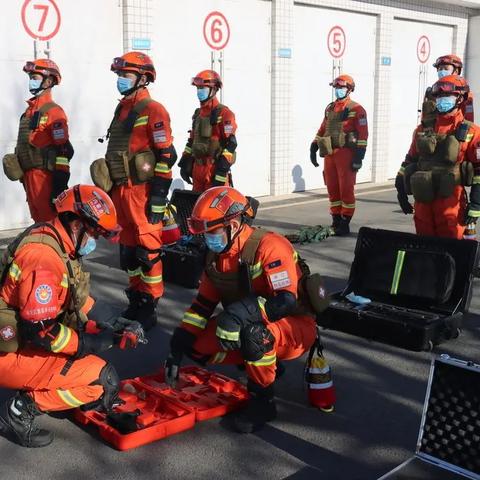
(43, 151)
(445, 65)
(342, 140)
(256, 276)
(442, 160)
(45, 351)
(137, 173)
(210, 149)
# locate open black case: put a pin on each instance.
(419, 288)
(183, 264)
(448, 446)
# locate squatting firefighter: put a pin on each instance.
(210, 149)
(342, 140)
(43, 151)
(441, 162)
(256, 276)
(445, 65)
(136, 171)
(47, 341)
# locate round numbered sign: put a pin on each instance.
(41, 18)
(216, 30)
(336, 41)
(423, 49)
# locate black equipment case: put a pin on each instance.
(184, 264)
(420, 288)
(448, 446)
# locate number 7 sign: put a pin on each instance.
(41, 18)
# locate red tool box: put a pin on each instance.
(153, 410)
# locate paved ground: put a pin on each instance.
(380, 388)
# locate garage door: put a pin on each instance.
(180, 51)
(83, 50)
(314, 69)
(412, 42)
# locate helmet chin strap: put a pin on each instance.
(231, 238)
(210, 96)
(135, 87)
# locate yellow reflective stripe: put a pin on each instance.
(64, 282)
(469, 137)
(158, 208)
(227, 154)
(226, 335)
(401, 171)
(151, 280)
(61, 161)
(261, 303)
(474, 213)
(265, 361)
(14, 271)
(134, 273)
(336, 204)
(43, 120)
(62, 339)
(67, 397)
(348, 205)
(161, 167)
(476, 180)
(219, 119)
(141, 121)
(256, 270)
(187, 150)
(295, 256)
(220, 178)
(352, 114)
(194, 319)
(218, 357)
(361, 143)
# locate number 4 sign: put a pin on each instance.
(423, 49)
(41, 18)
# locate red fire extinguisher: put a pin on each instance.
(318, 376)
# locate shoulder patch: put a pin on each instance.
(274, 264)
(158, 125)
(58, 125)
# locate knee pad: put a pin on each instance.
(110, 382)
(256, 340)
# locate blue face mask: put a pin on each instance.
(203, 93)
(340, 93)
(445, 104)
(89, 247)
(216, 242)
(34, 86)
(124, 84)
(443, 73)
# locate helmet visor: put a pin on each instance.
(29, 67)
(120, 64)
(200, 82)
(445, 88)
(339, 83)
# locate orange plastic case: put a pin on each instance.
(164, 411)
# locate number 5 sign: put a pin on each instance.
(41, 18)
(216, 30)
(336, 41)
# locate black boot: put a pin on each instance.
(17, 417)
(343, 227)
(260, 410)
(336, 219)
(133, 304)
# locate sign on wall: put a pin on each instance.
(41, 19)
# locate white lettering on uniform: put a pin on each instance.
(280, 280)
(58, 134)
(159, 136)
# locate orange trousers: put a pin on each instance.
(293, 337)
(443, 217)
(131, 205)
(49, 381)
(38, 187)
(202, 176)
(340, 180)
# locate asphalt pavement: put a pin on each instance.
(380, 388)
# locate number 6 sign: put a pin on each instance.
(216, 30)
(336, 41)
(41, 18)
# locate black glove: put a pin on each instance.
(313, 153)
(181, 343)
(473, 208)
(222, 167)
(186, 167)
(157, 203)
(59, 183)
(358, 156)
(402, 196)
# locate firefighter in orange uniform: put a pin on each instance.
(441, 161)
(43, 151)
(445, 65)
(137, 173)
(210, 149)
(342, 140)
(46, 350)
(255, 275)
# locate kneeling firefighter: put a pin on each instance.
(267, 315)
(441, 162)
(47, 341)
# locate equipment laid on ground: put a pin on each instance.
(448, 446)
(183, 262)
(419, 288)
(149, 409)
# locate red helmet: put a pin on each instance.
(453, 60)
(44, 67)
(136, 62)
(344, 81)
(207, 78)
(450, 84)
(94, 207)
(217, 207)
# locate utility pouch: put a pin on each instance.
(351, 139)
(118, 167)
(8, 328)
(205, 127)
(452, 148)
(11, 167)
(314, 287)
(324, 146)
(410, 169)
(426, 144)
(49, 159)
(443, 181)
(422, 187)
(466, 173)
(144, 165)
(101, 175)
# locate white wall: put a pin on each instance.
(473, 62)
